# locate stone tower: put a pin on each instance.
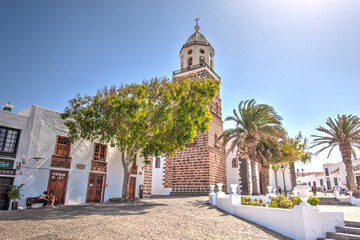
(202, 163)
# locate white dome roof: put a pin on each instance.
(197, 38)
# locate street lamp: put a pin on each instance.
(283, 171)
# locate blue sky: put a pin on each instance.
(300, 56)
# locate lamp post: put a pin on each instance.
(283, 172)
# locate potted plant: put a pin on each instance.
(13, 194)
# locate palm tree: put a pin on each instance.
(344, 131)
(268, 152)
(254, 121)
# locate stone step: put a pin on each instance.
(342, 236)
(350, 230)
(325, 239)
(352, 224)
(331, 201)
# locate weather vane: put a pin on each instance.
(196, 20)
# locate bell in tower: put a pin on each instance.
(197, 51)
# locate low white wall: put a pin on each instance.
(354, 201)
(297, 223)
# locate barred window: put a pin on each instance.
(8, 141)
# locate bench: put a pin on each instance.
(32, 200)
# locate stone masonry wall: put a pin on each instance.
(202, 163)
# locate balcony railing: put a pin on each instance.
(60, 161)
(196, 67)
(98, 166)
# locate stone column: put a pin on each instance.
(148, 178)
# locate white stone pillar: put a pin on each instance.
(219, 193)
(212, 195)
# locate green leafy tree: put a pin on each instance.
(344, 132)
(14, 192)
(268, 152)
(253, 121)
(295, 149)
(154, 117)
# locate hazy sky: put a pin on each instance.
(300, 56)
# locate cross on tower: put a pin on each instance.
(196, 20)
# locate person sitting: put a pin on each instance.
(313, 190)
(43, 198)
(52, 198)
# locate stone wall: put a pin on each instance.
(202, 163)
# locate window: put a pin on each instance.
(190, 51)
(157, 162)
(309, 184)
(99, 152)
(211, 64)
(235, 163)
(336, 182)
(134, 167)
(62, 147)
(190, 62)
(182, 65)
(8, 141)
(326, 172)
(202, 60)
(321, 182)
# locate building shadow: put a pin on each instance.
(80, 210)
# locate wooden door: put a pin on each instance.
(95, 191)
(132, 186)
(4, 187)
(58, 183)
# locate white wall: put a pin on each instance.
(157, 187)
(43, 126)
(232, 174)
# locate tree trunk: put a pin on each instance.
(346, 152)
(293, 175)
(276, 182)
(127, 165)
(265, 178)
(254, 182)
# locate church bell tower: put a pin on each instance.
(202, 163)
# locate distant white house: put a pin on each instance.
(334, 174)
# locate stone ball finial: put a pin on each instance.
(197, 28)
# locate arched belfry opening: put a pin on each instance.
(202, 60)
(190, 62)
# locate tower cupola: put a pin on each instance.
(196, 51)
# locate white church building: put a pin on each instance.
(35, 151)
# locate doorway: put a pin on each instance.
(132, 187)
(58, 183)
(95, 191)
(5, 183)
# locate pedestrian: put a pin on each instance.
(52, 198)
(314, 190)
(324, 189)
(43, 198)
(279, 188)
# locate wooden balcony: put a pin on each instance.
(60, 161)
(98, 166)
